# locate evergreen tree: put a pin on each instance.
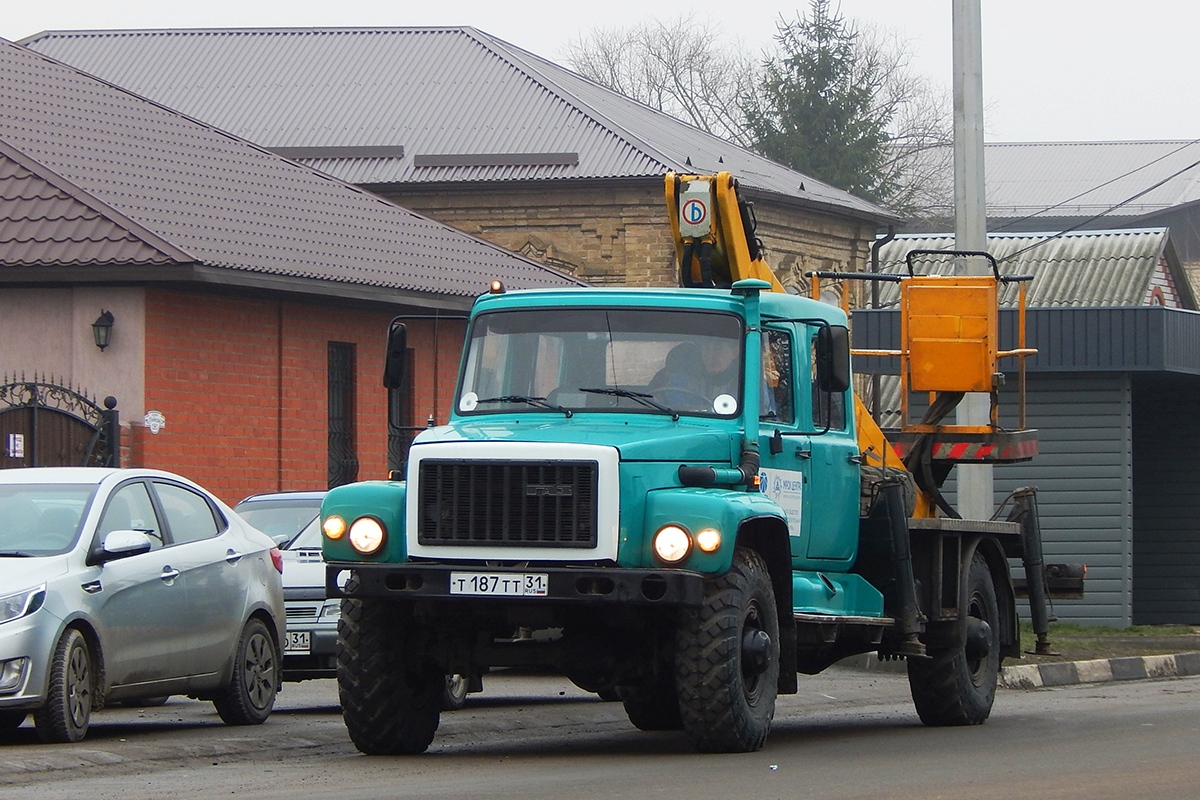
(816, 110)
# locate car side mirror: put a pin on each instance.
(124, 543)
(396, 363)
(833, 359)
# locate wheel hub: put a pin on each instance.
(979, 639)
(756, 646)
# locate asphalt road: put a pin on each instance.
(847, 735)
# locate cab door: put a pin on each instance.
(785, 450)
(833, 469)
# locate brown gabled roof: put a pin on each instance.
(92, 176)
(396, 106)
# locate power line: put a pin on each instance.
(1104, 213)
(1151, 163)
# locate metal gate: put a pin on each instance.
(46, 424)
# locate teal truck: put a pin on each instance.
(687, 543)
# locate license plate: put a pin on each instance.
(297, 642)
(500, 584)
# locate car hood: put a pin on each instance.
(25, 573)
(303, 569)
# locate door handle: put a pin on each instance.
(803, 453)
(168, 574)
(232, 557)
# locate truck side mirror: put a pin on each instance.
(833, 359)
(395, 365)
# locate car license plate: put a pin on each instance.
(500, 584)
(297, 642)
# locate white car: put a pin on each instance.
(131, 584)
(292, 520)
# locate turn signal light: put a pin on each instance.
(334, 527)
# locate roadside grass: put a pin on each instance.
(1074, 642)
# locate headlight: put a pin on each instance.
(334, 527)
(672, 544)
(21, 604)
(367, 535)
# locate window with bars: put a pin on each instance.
(343, 457)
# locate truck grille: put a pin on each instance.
(507, 503)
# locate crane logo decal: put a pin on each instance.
(694, 212)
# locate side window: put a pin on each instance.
(777, 386)
(189, 516)
(130, 509)
(828, 410)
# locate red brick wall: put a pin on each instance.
(242, 384)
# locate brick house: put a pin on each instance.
(478, 134)
(250, 295)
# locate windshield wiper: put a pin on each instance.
(15, 554)
(640, 397)
(540, 402)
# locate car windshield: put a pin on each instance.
(309, 538)
(281, 519)
(41, 519)
(644, 360)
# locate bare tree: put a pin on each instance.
(691, 70)
(685, 68)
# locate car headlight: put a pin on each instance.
(21, 604)
(672, 544)
(367, 535)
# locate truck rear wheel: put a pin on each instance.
(956, 686)
(727, 660)
(391, 698)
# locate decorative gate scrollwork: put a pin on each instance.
(46, 424)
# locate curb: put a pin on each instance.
(1101, 670)
(1062, 673)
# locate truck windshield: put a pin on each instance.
(646, 360)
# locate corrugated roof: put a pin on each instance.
(429, 91)
(83, 160)
(1081, 269)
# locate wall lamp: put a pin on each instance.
(102, 329)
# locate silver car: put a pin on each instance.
(131, 584)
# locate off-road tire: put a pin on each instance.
(956, 686)
(250, 694)
(391, 698)
(727, 660)
(653, 706)
(68, 709)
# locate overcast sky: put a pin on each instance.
(1054, 70)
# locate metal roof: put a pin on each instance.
(93, 175)
(1056, 180)
(435, 104)
(1080, 269)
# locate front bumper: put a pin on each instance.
(25, 648)
(572, 585)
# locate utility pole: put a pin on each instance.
(970, 221)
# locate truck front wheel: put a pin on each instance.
(957, 685)
(391, 698)
(727, 660)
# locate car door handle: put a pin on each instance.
(168, 574)
(232, 557)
